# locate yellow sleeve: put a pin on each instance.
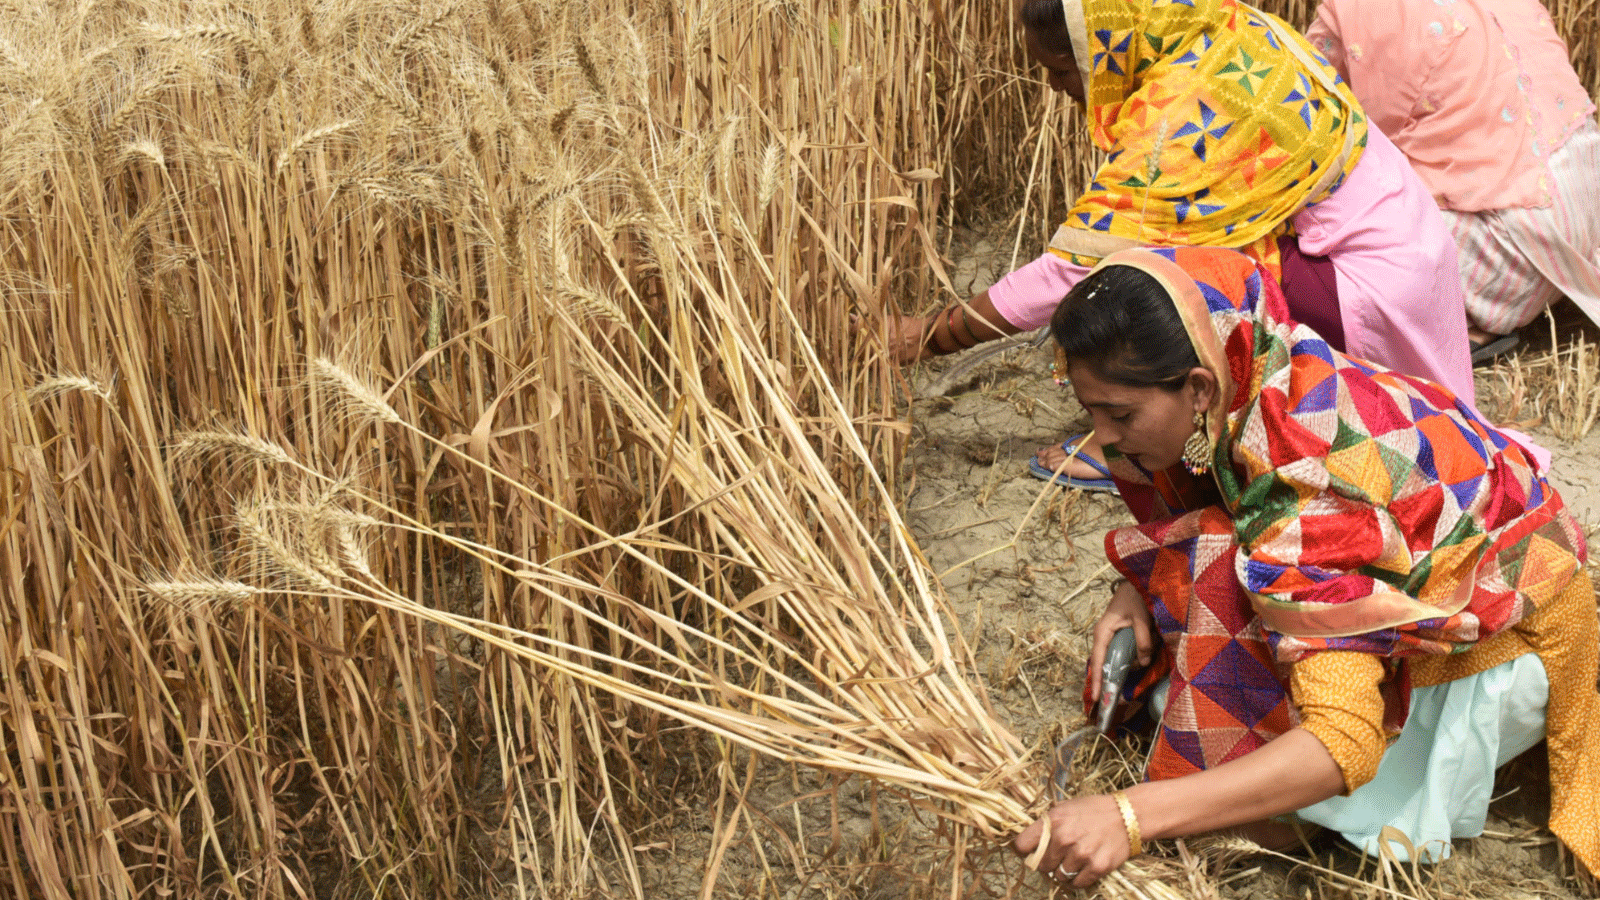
(1337, 694)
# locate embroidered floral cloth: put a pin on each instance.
(1350, 508)
(1221, 122)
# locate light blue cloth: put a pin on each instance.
(1434, 782)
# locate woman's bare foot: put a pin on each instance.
(1479, 336)
(1051, 458)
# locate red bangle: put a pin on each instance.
(950, 326)
(933, 343)
(971, 339)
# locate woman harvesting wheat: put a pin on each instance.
(1334, 555)
(1224, 128)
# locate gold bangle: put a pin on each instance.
(1130, 821)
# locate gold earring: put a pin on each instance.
(1197, 449)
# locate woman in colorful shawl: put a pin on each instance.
(1366, 597)
(1481, 96)
(1222, 127)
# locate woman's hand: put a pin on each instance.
(1126, 609)
(1084, 839)
(915, 338)
(908, 339)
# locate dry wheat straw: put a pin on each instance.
(62, 384)
(629, 466)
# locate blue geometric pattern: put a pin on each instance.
(1325, 396)
(1195, 53)
(1239, 683)
(1184, 206)
(1301, 94)
(1207, 127)
(1101, 224)
(1216, 301)
(1105, 59)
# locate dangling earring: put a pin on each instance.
(1197, 449)
(1058, 368)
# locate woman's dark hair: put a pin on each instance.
(1122, 324)
(1048, 22)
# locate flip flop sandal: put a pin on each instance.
(1070, 445)
(1505, 343)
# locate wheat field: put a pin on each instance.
(426, 424)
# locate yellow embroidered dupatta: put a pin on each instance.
(1220, 122)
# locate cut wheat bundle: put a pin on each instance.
(864, 683)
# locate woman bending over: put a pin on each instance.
(1481, 97)
(1222, 127)
(1329, 556)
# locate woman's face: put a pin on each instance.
(1061, 69)
(1146, 424)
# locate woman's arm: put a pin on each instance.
(1088, 836)
(1020, 301)
(915, 338)
(1290, 772)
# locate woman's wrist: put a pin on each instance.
(1130, 823)
(970, 339)
(943, 339)
(1289, 772)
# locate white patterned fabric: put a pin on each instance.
(1515, 262)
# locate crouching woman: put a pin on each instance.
(1359, 598)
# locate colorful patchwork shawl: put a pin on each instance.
(1221, 122)
(1350, 508)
